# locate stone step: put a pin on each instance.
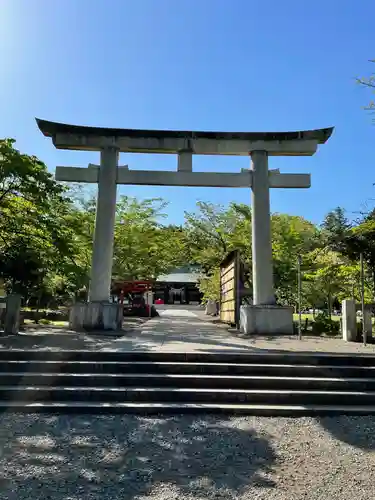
(154, 382)
(185, 381)
(193, 357)
(268, 410)
(193, 368)
(185, 395)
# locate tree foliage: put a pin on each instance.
(292, 236)
(211, 233)
(369, 83)
(143, 247)
(32, 204)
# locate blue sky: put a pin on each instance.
(198, 65)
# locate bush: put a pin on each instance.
(45, 321)
(324, 324)
(57, 315)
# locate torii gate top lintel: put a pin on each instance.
(299, 143)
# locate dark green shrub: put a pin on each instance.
(324, 324)
(45, 321)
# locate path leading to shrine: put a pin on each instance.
(188, 329)
(181, 329)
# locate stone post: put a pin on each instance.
(367, 323)
(261, 231)
(349, 321)
(12, 314)
(3, 305)
(101, 268)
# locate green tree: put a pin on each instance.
(362, 240)
(143, 247)
(214, 231)
(331, 279)
(209, 285)
(78, 221)
(291, 236)
(336, 230)
(31, 235)
(350, 240)
(211, 233)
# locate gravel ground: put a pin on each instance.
(310, 344)
(45, 337)
(54, 340)
(185, 457)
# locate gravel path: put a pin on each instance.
(185, 457)
(55, 340)
(46, 337)
(310, 343)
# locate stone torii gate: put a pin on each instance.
(265, 316)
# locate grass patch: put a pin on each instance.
(310, 317)
(60, 323)
(46, 322)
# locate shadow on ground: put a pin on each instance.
(176, 334)
(49, 337)
(357, 431)
(46, 339)
(123, 457)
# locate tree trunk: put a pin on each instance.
(329, 304)
(36, 320)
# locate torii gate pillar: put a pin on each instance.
(264, 316)
(263, 291)
(99, 313)
(102, 255)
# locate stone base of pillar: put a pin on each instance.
(266, 320)
(96, 316)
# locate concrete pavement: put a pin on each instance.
(180, 329)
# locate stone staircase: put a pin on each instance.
(155, 382)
